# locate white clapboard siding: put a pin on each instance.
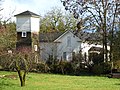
(23, 24)
(62, 47)
(34, 24)
(29, 24)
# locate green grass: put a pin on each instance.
(59, 82)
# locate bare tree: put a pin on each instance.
(21, 67)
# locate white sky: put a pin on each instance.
(36, 6)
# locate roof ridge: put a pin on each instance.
(27, 13)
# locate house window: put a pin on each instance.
(69, 41)
(24, 34)
(64, 55)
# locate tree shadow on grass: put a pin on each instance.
(117, 84)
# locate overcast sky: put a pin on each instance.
(36, 6)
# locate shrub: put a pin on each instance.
(62, 67)
(55, 68)
(102, 68)
(42, 67)
(106, 67)
(97, 58)
(97, 69)
(5, 62)
(66, 67)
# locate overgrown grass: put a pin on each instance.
(59, 82)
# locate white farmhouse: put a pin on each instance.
(60, 45)
(63, 45)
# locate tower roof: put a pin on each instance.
(27, 13)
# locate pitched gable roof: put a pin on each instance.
(53, 36)
(27, 13)
(68, 31)
(90, 37)
(49, 36)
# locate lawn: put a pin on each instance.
(58, 82)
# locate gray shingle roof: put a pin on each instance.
(90, 37)
(84, 36)
(27, 13)
(49, 36)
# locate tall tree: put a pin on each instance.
(51, 20)
(56, 20)
(116, 44)
(96, 14)
(69, 22)
(7, 31)
(7, 36)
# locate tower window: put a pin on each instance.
(35, 47)
(24, 34)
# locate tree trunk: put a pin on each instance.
(106, 51)
(105, 32)
(22, 77)
(112, 32)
